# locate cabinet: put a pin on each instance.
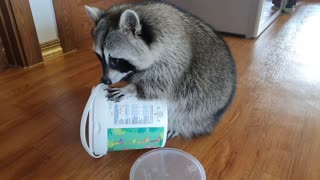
(246, 17)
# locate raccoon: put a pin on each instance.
(166, 53)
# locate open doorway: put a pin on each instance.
(46, 27)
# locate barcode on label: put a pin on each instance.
(133, 114)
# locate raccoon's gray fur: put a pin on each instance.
(171, 55)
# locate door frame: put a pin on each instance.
(63, 14)
(18, 33)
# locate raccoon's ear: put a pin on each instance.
(94, 13)
(129, 22)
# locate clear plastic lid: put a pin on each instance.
(167, 164)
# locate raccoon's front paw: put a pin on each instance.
(117, 94)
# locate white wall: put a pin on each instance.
(44, 19)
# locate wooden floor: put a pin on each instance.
(272, 130)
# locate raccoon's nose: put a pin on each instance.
(106, 81)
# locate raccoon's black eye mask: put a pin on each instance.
(121, 65)
(117, 64)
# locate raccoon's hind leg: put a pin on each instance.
(189, 126)
(172, 134)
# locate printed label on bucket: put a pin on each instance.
(135, 138)
(128, 113)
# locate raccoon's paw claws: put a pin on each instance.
(112, 90)
(114, 95)
(118, 94)
(172, 134)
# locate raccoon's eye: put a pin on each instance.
(115, 61)
(121, 65)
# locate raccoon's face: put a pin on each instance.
(121, 42)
